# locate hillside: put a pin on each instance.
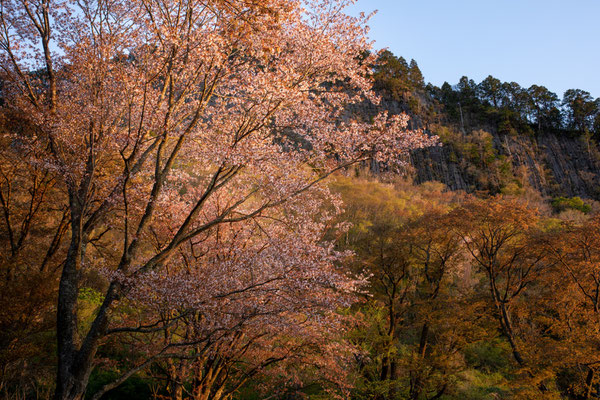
(498, 140)
(552, 164)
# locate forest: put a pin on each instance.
(221, 200)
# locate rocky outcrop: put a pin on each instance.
(438, 164)
(554, 165)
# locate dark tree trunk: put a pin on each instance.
(68, 386)
(508, 331)
(75, 356)
(589, 383)
(416, 386)
(384, 368)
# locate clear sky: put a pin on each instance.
(555, 43)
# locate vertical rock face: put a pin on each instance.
(437, 164)
(554, 165)
(574, 165)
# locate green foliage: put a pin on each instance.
(415, 76)
(488, 356)
(477, 385)
(386, 389)
(394, 201)
(581, 109)
(89, 300)
(399, 81)
(574, 203)
(513, 110)
(476, 154)
(391, 76)
(90, 296)
(135, 388)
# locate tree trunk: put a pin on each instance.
(417, 382)
(75, 357)
(508, 331)
(68, 382)
(384, 368)
(589, 383)
(423, 340)
(176, 375)
(505, 321)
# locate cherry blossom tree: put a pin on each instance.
(173, 124)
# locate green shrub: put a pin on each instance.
(574, 203)
(488, 356)
(133, 388)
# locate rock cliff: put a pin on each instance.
(554, 165)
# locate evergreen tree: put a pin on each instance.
(415, 76)
(514, 97)
(490, 89)
(544, 105)
(467, 90)
(391, 75)
(581, 109)
(597, 123)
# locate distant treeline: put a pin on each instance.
(505, 106)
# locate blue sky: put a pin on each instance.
(554, 43)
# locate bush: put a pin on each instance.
(488, 356)
(574, 203)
